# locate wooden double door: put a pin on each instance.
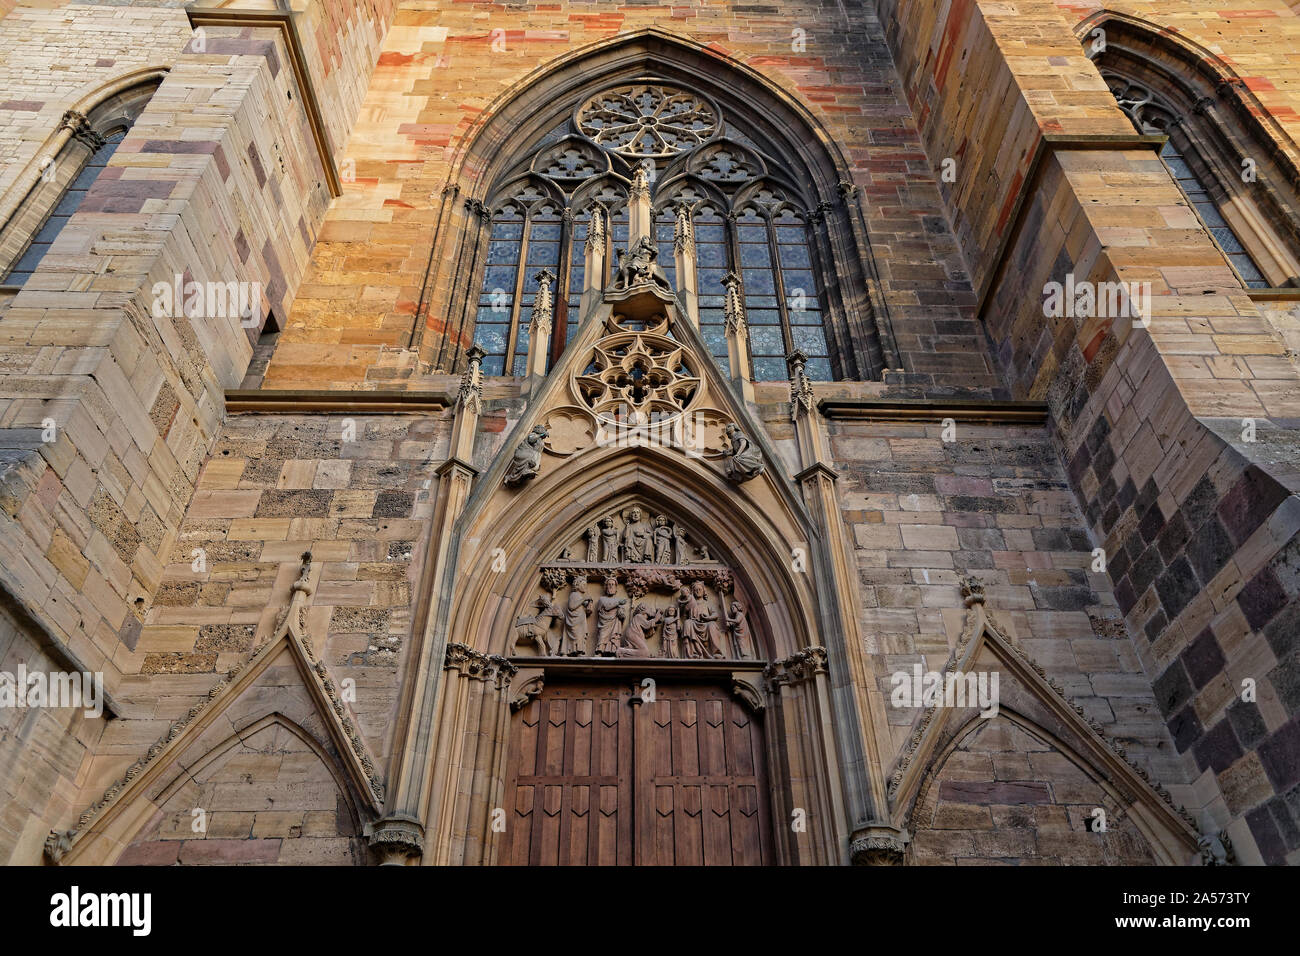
(597, 777)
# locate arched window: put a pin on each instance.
(63, 173)
(1225, 150)
(1190, 169)
(22, 269)
(748, 215)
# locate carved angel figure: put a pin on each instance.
(744, 460)
(680, 554)
(527, 459)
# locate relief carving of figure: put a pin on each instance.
(573, 640)
(643, 621)
(742, 641)
(701, 636)
(680, 553)
(640, 266)
(527, 459)
(610, 611)
(638, 541)
(663, 540)
(536, 628)
(744, 460)
(668, 642)
(592, 535)
(608, 540)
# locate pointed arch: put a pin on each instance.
(1037, 789)
(179, 790)
(1238, 166)
(30, 209)
(526, 117)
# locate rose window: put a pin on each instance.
(648, 121)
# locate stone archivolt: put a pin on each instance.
(627, 585)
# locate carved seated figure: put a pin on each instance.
(639, 266)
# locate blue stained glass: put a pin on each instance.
(758, 281)
(812, 339)
(819, 369)
(751, 255)
(766, 340)
(794, 257)
(769, 369)
(502, 250)
(499, 277)
(711, 254)
(492, 338)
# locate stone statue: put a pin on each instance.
(610, 610)
(701, 637)
(527, 460)
(742, 641)
(703, 552)
(680, 553)
(608, 540)
(573, 639)
(593, 542)
(744, 460)
(671, 633)
(644, 620)
(663, 540)
(640, 266)
(638, 542)
(536, 628)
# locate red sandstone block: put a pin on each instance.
(155, 853)
(230, 851)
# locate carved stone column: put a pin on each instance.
(469, 764)
(799, 695)
(861, 725)
(737, 338)
(410, 779)
(539, 328)
(593, 262)
(684, 258)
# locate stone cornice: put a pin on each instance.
(244, 400)
(931, 410)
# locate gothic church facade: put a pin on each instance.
(857, 432)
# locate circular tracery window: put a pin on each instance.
(647, 120)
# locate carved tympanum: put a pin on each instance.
(628, 585)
